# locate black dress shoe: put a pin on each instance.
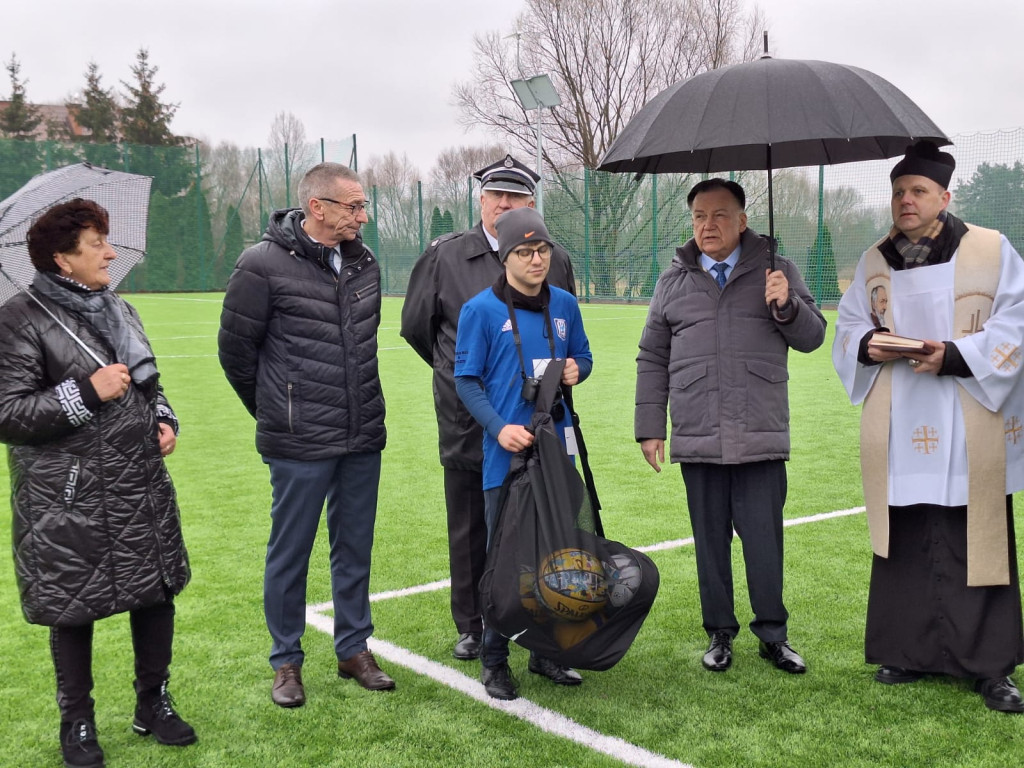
(1000, 694)
(719, 655)
(498, 682)
(890, 675)
(556, 673)
(468, 646)
(782, 655)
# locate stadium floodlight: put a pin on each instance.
(535, 94)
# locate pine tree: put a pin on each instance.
(98, 111)
(144, 118)
(435, 224)
(20, 119)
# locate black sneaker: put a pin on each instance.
(1000, 694)
(154, 713)
(79, 746)
(499, 683)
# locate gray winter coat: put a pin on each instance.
(451, 271)
(299, 344)
(717, 358)
(96, 529)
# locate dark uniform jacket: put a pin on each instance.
(299, 344)
(96, 529)
(718, 359)
(452, 270)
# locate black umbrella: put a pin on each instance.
(124, 195)
(766, 114)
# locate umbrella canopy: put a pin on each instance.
(124, 195)
(770, 113)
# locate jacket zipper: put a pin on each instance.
(291, 427)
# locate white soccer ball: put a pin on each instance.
(622, 576)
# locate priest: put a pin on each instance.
(942, 437)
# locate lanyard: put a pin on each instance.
(515, 332)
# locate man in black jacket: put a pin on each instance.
(452, 270)
(298, 342)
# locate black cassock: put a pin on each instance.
(922, 615)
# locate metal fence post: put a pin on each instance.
(586, 234)
(654, 228)
(199, 222)
(819, 268)
(419, 200)
(287, 179)
(469, 202)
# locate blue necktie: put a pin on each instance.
(719, 270)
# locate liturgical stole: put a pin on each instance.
(976, 277)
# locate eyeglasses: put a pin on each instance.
(526, 254)
(355, 210)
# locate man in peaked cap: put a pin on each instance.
(453, 269)
(941, 446)
(490, 378)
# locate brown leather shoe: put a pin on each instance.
(363, 667)
(288, 690)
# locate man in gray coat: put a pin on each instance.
(714, 350)
(452, 270)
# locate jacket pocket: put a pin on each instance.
(689, 400)
(767, 397)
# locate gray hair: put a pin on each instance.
(320, 179)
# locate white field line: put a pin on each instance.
(545, 719)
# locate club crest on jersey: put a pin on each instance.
(507, 326)
(560, 328)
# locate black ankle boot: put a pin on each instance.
(79, 746)
(154, 713)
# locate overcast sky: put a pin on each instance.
(384, 69)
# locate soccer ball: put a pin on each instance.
(622, 576)
(571, 584)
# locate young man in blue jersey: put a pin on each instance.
(506, 336)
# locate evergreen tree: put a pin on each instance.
(821, 276)
(435, 224)
(98, 111)
(20, 119)
(447, 222)
(145, 119)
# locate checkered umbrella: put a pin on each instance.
(124, 195)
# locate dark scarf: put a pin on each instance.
(936, 247)
(103, 310)
(521, 300)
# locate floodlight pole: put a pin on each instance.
(535, 93)
(539, 193)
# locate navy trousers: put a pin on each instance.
(749, 498)
(349, 485)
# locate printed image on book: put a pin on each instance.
(893, 343)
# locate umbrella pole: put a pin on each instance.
(55, 319)
(771, 215)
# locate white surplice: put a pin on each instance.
(927, 446)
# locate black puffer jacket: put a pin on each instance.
(96, 529)
(299, 344)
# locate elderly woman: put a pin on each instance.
(96, 527)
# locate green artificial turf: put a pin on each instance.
(658, 698)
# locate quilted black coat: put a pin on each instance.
(298, 344)
(96, 528)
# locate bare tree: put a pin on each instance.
(393, 184)
(289, 156)
(449, 185)
(607, 59)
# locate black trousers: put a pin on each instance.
(748, 498)
(467, 545)
(71, 649)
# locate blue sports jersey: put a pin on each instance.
(485, 349)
